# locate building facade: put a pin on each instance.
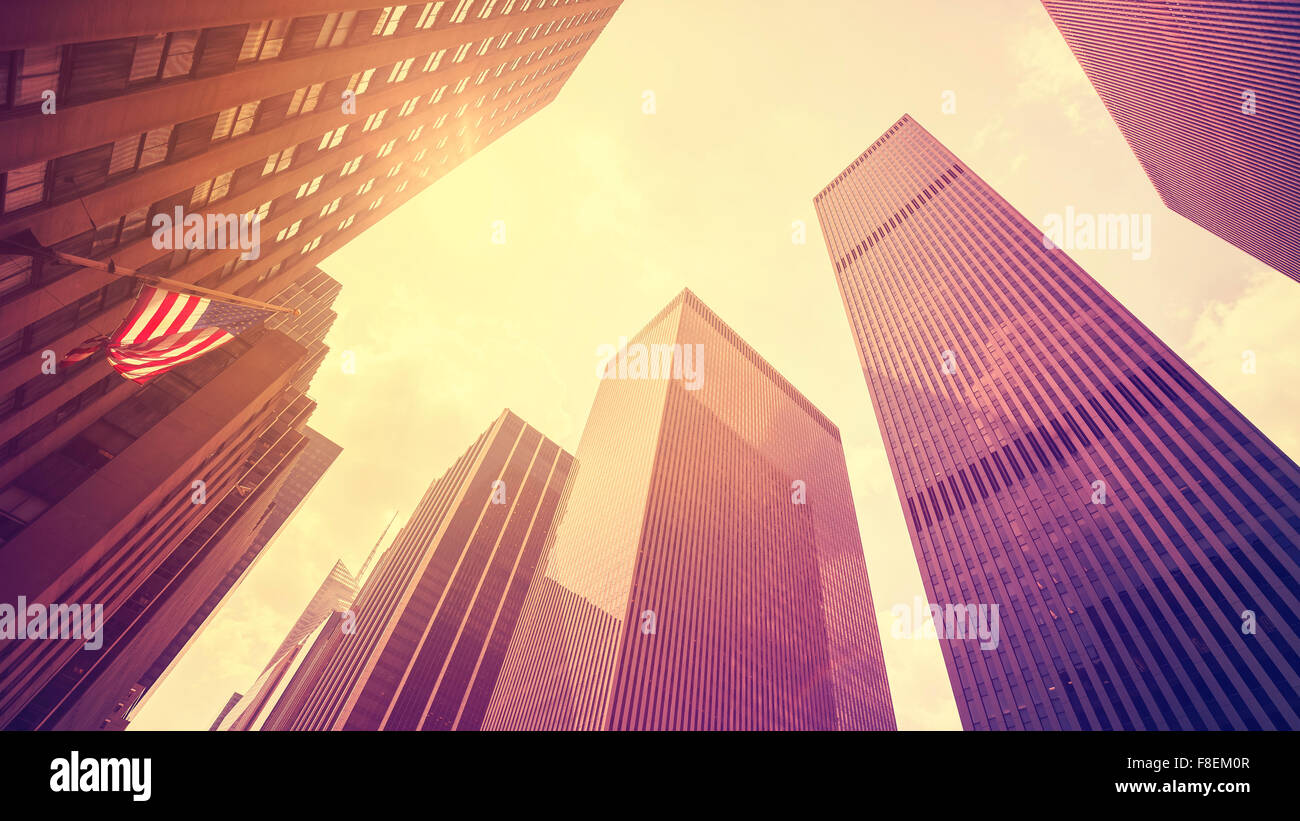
(1061, 469)
(285, 128)
(707, 573)
(433, 619)
(160, 586)
(309, 119)
(1207, 93)
(334, 596)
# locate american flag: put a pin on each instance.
(166, 329)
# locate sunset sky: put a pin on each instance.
(609, 212)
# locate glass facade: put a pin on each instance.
(434, 618)
(1055, 459)
(707, 573)
(1205, 93)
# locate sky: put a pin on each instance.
(684, 152)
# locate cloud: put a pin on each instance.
(1262, 322)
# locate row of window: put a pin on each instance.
(106, 164)
(82, 72)
(79, 173)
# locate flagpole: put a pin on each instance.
(111, 268)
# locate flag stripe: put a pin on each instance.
(178, 348)
(165, 329)
(148, 302)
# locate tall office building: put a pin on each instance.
(93, 520)
(267, 509)
(707, 573)
(318, 117)
(1207, 93)
(173, 560)
(433, 619)
(1053, 458)
(286, 127)
(335, 595)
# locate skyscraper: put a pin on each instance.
(258, 525)
(316, 122)
(334, 595)
(1139, 538)
(1206, 93)
(285, 129)
(161, 585)
(433, 619)
(707, 572)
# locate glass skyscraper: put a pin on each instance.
(707, 573)
(433, 620)
(1207, 93)
(1054, 459)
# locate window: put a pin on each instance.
(235, 121)
(437, 95)
(330, 207)
(304, 100)
(388, 20)
(286, 233)
(347, 222)
(24, 186)
(487, 9)
(278, 161)
(376, 203)
(360, 82)
(385, 149)
(180, 53)
(334, 31)
(272, 271)
(350, 166)
(211, 190)
(311, 246)
(374, 121)
(462, 9)
(366, 186)
(408, 107)
(147, 60)
(309, 188)
(263, 40)
(398, 74)
(395, 170)
(155, 146)
(125, 153)
(261, 213)
(15, 273)
(434, 60)
(484, 46)
(461, 51)
(460, 86)
(39, 72)
(332, 138)
(428, 15)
